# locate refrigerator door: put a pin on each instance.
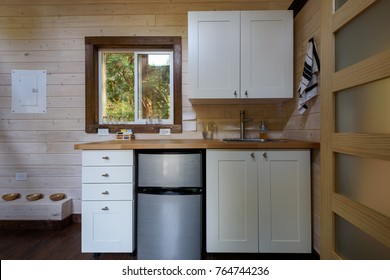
(169, 227)
(170, 170)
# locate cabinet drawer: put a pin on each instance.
(107, 192)
(107, 157)
(107, 174)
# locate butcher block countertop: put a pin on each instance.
(193, 144)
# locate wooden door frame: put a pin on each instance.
(363, 145)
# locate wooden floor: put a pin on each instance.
(51, 244)
(65, 244)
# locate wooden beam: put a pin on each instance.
(367, 220)
(348, 11)
(364, 145)
(371, 69)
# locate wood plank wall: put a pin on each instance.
(49, 34)
(307, 126)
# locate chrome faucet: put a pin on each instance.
(242, 124)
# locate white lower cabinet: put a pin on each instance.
(107, 226)
(231, 201)
(258, 201)
(284, 201)
(107, 201)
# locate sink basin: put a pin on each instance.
(254, 140)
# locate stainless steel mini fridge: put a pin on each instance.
(169, 211)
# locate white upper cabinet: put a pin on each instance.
(240, 55)
(267, 54)
(213, 48)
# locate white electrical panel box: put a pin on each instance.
(29, 91)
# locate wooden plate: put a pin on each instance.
(57, 196)
(10, 196)
(34, 196)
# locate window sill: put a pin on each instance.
(137, 128)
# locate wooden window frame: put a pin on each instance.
(92, 47)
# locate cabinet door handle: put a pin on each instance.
(105, 175)
(105, 192)
(235, 93)
(265, 155)
(246, 93)
(105, 208)
(106, 157)
(253, 155)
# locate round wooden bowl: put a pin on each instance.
(10, 196)
(57, 196)
(34, 196)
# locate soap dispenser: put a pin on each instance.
(263, 130)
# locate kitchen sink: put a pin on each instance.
(254, 140)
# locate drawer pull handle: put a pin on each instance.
(105, 175)
(105, 208)
(105, 192)
(265, 155)
(106, 157)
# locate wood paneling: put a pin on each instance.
(49, 34)
(307, 24)
(135, 8)
(327, 127)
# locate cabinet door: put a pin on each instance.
(231, 201)
(213, 54)
(284, 202)
(107, 226)
(267, 54)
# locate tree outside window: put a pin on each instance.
(136, 87)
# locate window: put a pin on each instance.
(135, 87)
(133, 82)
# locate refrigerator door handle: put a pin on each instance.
(170, 191)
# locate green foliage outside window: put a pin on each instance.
(120, 86)
(153, 83)
(155, 89)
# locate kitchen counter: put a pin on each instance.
(193, 144)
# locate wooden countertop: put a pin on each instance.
(193, 144)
